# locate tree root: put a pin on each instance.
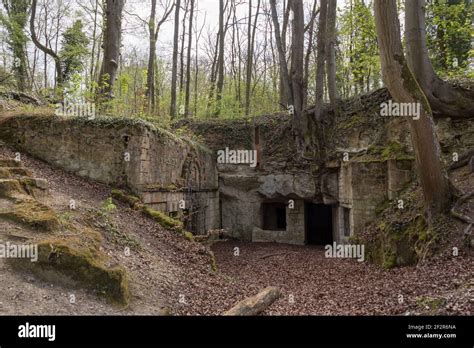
(464, 159)
(458, 215)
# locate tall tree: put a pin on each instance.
(285, 90)
(445, 99)
(74, 50)
(15, 22)
(251, 31)
(111, 47)
(404, 89)
(286, 97)
(220, 60)
(331, 53)
(321, 59)
(309, 50)
(188, 63)
(174, 72)
(181, 53)
(153, 31)
(297, 69)
(44, 48)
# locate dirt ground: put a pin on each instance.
(171, 275)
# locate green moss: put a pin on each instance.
(5, 173)
(213, 261)
(389, 260)
(108, 206)
(121, 196)
(33, 214)
(9, 163)
(430, 303)
(19, 171)
(10, 188)
(412, 85)
(62, 263)
(398, 244)
(381, 207)
(354, 121)
(166, 188)
(392, 149)
(64, 218)
(119, 237)
(163, 219)
(188, 235)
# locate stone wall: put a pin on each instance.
(156, 165)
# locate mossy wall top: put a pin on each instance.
(117, 152)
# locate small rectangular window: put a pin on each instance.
(274, 216)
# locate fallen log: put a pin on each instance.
(255, 304)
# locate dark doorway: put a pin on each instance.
(318, 224)
(274, 216)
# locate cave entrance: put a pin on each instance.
(318, 224)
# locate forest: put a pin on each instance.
(237, 157)
(177, 59)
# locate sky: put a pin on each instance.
(208, 12)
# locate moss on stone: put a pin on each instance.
(10, 188)
(32, 213)
(121, 196)
(5, 173)
(18, 171)
(188, 235)
(399, 244)
(353, 121)
(163, 219)
(389, 260)
(9, 163)
(213, 261)
(62, 263)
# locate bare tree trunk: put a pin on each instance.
(174, 73)
(248, 79)
(443, 97)
(309, 51)
(153, 30)
(213, 72)
(285, 93)
(285, 90)
(196, 63)
(111, 47)
(94, 44)
(220, 61)
(188, 65)
(45, 55)
(46, 50)
(181, 55)
(404, 89)
(297, 69)
(250, 49)
(321, 57)
(331, 53)
(150, 84)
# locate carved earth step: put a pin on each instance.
(9, 163)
